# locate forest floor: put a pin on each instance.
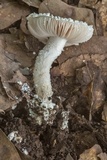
(79, 82)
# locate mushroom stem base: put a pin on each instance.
(43, 64)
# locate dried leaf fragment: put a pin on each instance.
(94, 153)
(9, 11)
(103, 15)
(59, 8)
(7, 149)
(91, 153)
(68, 157)
(34, 3)
(12, 56)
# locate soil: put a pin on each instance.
(49, 142)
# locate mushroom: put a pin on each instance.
(56, 32)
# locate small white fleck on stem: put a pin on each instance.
(43, 64)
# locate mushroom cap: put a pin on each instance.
(43, 26)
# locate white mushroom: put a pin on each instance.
(59, 32)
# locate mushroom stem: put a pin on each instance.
(43, 64)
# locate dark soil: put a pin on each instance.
(49, 142)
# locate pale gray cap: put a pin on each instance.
(43, 25)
